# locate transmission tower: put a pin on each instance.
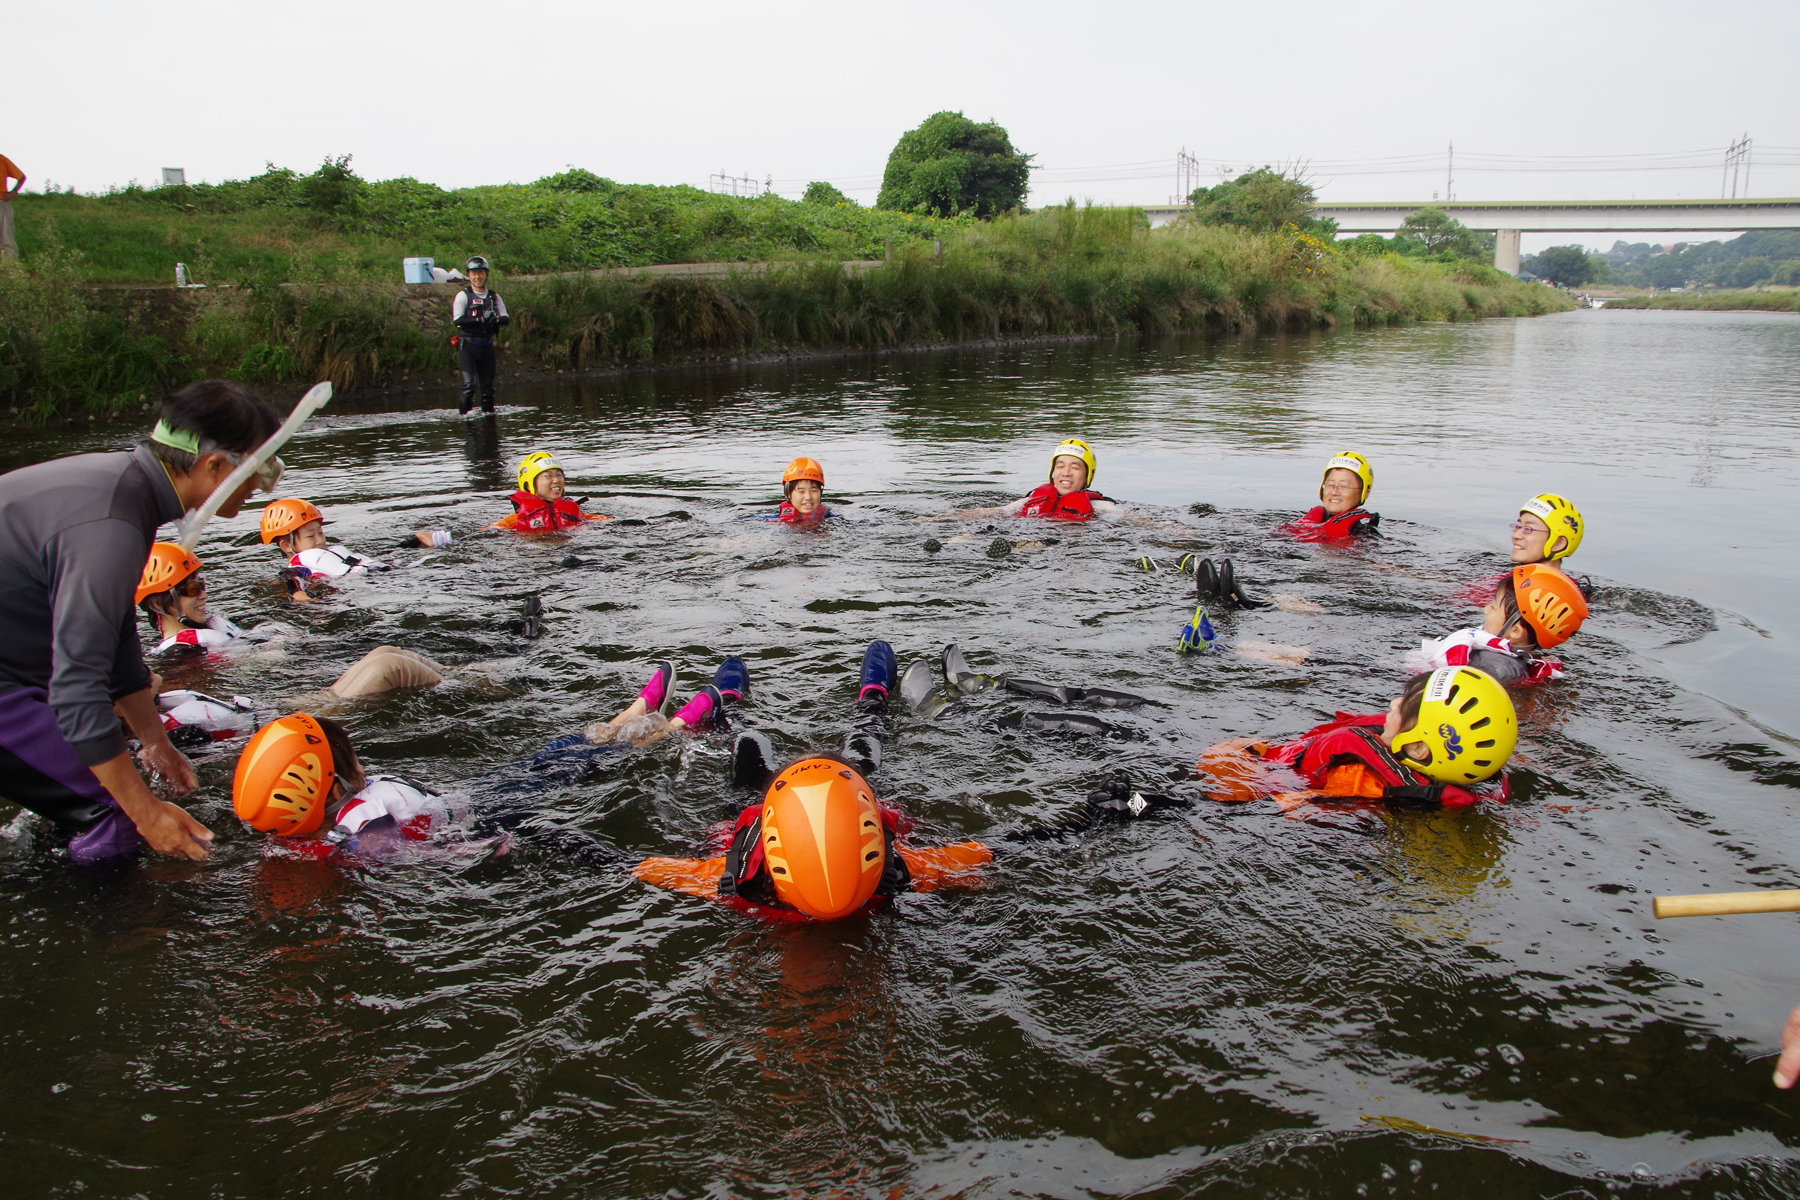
(1737, 158)
(732, 185)
(1187, 177)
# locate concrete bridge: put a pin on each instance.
(1510, 218)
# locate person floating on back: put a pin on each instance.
(1535, 608)
(803, 492)
(478, 315)
(541, 503)
(1449, 731)
(1339, 515)
(1068, 496)
(1547, 531)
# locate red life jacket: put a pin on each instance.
(1351, 737)
(1076, 506)
(538, 515)
(787, 514)
(1316, 526)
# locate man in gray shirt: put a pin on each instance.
(74, 534)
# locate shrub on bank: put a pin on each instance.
(1715, 301)
(1061, 271)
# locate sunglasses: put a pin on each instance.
(193, 585)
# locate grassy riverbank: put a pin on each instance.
(67, 347)
(1715, 301)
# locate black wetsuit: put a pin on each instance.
(477, 317)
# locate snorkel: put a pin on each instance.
(260, 464)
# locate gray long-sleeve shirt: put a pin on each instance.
(74, 534)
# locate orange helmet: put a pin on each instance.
(803, 468)
(167, 566)
(1549, 602)
(284, 777)
(822, 836)
(284, 516)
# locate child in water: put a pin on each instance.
(300, 779)
(1068, 496)
(803, 493)
(1449, 730)
(541, 503)
(1339, 515)
(298, 530)
(818, 844)
(1536, 607)
(173, 595)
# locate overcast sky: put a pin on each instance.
(461, 93)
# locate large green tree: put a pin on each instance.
(1264, 200)
(951, 165)
(1570, 266)
(1431, 230)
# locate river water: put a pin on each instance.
(1218, 1001)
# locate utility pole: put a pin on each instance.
(1737, 159)
(1450, 175)
(1187, 177)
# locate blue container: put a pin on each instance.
(417, 270)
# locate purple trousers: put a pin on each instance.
(39, 770)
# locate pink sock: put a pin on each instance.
(695, 711)
(872, 687)
(654, 692)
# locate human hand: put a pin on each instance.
(162, 757)
(170, 829)
(300, 596)
(1787, 1069)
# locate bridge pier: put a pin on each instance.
(1506, 251)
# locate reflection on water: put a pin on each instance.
(1221, 1000)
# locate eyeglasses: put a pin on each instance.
(266, 477)
(193, 585)
(1522, 527)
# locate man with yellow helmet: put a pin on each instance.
(1067, 496)
(1449, 731)
(1339, 515)
(541, 503)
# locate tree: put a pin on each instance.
(1568, 265)
(1263, 200)
(820, 192)
(333, 190)
(951, 165)
(1431, 230)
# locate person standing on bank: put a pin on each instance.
(74, 535)
(12, 182)
(477, 314)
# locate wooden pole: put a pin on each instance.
(1718, 904)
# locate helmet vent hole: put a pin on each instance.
(871, 856)
(779, 784)
(779, 870)
(1481, 724)
(1485, 745)
(1468, 704)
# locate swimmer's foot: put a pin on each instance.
(706, 708)
(1197, 635)
(732, 680)
(1232, 592)
(752, 760)
(879, 671)
(916, 689)
(656, 694)
(958, 675)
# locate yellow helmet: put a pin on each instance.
(1356, 464)
(1467, 721)
(1075, 448)
(1564, 520)
(533, 465)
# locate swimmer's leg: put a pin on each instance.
(1112, 802)
(863, 745)
(385, 668)
(752, 761)
(655, 695)
(646, 729)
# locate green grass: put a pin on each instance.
(267, 230)
(66, 346)
(1715, 301)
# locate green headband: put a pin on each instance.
(162, 435)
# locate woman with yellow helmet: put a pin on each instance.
(1449, 731)
(1547, 530)
(1339, 515)
(1067, 496)
(541, 503)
